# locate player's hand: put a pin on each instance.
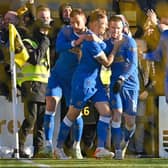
(117, 85)
(80, 39)
(93, 37)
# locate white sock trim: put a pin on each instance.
(50, 113)
(105, 119)
(116, 124)
(76, 144)
(80, 115)
(67, 121)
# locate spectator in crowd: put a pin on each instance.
(33, 78)
(137, 145)
(158, 25)
(124, 86)
(144, 7)
(60, 83)
(116, 7)
(5, 79)
(147, 4)
(160, 53)
(27, 14)
(43, 13)
(33, 88)
(86, 84)
(65, 10)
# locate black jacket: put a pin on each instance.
(32, 90)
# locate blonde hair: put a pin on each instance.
(97, 14)
(42, 7)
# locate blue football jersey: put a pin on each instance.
(125, 63)
(86, 79)
(68, 59)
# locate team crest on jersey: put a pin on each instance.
(119, 59)
(76, 50)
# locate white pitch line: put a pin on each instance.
(34, 164)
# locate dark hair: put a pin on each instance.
(61, 9)
(115, 18)
(42, 7)
(77, 11)
(122, 19)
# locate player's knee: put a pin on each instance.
(105, 119)
(116, 116)
(73, 113)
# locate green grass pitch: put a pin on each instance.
(87, 163)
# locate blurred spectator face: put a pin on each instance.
(66, 13)
(10, 17)
(116, 29)
(45, 15)
(78, 22)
